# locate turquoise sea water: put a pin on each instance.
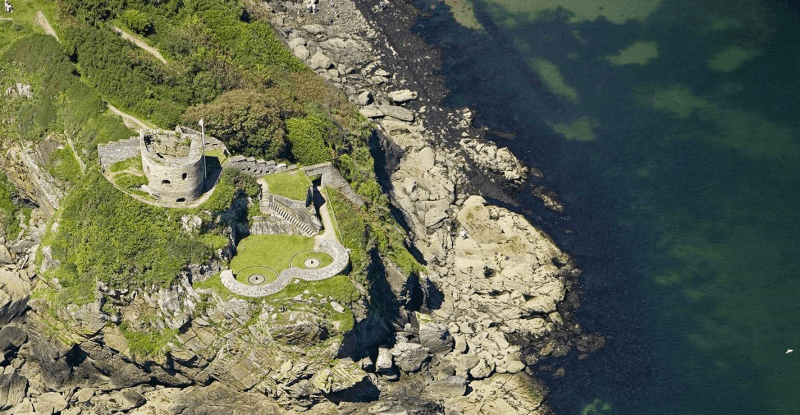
(670, 130)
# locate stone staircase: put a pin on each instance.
(269, 205)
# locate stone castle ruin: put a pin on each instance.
(173, 163)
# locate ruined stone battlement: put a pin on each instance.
(173, 163)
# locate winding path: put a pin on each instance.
(147, 48)
(41, 20)
(129, 120)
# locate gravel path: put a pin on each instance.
(147, 48)
(129, 120)
(41, 20)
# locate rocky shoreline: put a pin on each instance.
(498, 296)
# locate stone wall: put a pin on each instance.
(333, 179)
(340, 256)
(173, 177)
(256, 167)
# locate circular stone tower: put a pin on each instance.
(173, 164)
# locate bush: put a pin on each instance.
(8, 210)
(125, 243)
(247, 121)
(307, 137)
(63, 165)
(136, 21)
(230, 182)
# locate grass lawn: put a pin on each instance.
(218, 154)
(299, 259)
(268, 273)
(133, 164)
(293, 184)
(272, 251)
(25, 12)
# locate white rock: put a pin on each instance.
(320, 61)
(337, 307)
(402, 96)
(301, 52)
(364, 98)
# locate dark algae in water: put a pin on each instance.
(670, 131)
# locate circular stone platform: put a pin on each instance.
(256, 279)
(256, 275)
(311, 263)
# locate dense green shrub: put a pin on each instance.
(136, 21)
(62, 102)
(308, 138)
(230, 182)
(247, 121)
(8, 210)
(114, 238)
(63, 165)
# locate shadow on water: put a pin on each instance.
(679, 165)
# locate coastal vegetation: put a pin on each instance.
(119, 240)
(293, 184)
(225, 67)
(8, 210)
(272, 251)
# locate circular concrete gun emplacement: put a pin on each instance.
(311, 259)
(339, 258)
(257, 275)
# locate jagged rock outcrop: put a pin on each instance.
(15, 290)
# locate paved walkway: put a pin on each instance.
(147, 48)
(327, 223)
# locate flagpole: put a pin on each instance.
(203, 134)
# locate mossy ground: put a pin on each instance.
(323, 258)
(272, 251)
(293, 185)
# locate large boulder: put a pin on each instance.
(394, 111)
(404, 95)
(409, 357)
(436, 338)
(449, 386)
(14, 293)
(320, 61)
(11, 338)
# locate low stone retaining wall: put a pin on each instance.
(340, 259)
(332, 178)
(257, 167)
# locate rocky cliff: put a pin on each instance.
(463, 337)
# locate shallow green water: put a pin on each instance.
(670, 130)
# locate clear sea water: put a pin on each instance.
(670, 131)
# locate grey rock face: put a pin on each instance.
(436, 337)
(12, 390)
(364, 98)
(320, 61)
(409, 357)
(302, 329)
(394, 111)
(14, 293)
